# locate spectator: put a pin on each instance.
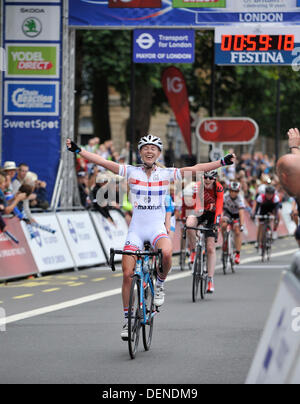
(82, 178)
(10, 169)
(21, 174)
(14, 201)
(100, 199)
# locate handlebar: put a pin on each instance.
(265, 217)
(138, 254)
(202, 229)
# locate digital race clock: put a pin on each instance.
(261, 43)
(257, 45)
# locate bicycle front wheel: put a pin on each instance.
(183, 254)
(150, 310)
(134, 317)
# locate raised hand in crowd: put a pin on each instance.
(294, 140)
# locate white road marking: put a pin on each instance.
(98, 296)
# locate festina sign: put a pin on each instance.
(258, 45)
(134, 3)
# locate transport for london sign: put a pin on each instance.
(164, 46)
(181, 13)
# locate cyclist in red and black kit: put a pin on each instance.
(266, 204)
(212, 213)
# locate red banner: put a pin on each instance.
(135, 3)
(175, 89)
(16, 260)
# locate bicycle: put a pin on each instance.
(228, 248)
(267, 237)
(200, 274)
(141, 310)
(184, 251)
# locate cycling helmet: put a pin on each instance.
(151, 140)
(235, 186)
(270, 190)
(211, 174)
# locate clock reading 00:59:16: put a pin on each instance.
(261, 43)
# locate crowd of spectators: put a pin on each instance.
(254, 172)
(20, 192)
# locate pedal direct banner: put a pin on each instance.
(181, 13)
(31, 87)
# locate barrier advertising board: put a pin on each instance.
(82, 239)
(278, 350)
(50, 251)
(111, 235)
(16, 260)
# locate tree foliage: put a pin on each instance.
(240, 91)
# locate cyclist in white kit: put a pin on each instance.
(149, 185)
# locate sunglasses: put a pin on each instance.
(207, 177)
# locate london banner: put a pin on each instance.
(182, 13)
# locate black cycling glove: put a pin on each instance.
(227, 160)
(74, 148)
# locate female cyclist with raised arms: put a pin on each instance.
(149, 185)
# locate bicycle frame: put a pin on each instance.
(140, 311)
(229, 251)
(266, 226)
(199, 274)
(144, 279)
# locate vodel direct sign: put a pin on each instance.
(164, 46)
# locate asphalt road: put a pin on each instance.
(65, 328)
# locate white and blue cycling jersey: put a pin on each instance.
(148, 198)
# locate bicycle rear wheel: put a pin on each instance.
(196, 275)
(203, 276)
(269, 244)
(134, 317)
(264, 245)
(150, 310)
(231, 252)
(225, 255)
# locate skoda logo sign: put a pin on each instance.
(32, 27)
(145, 41)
